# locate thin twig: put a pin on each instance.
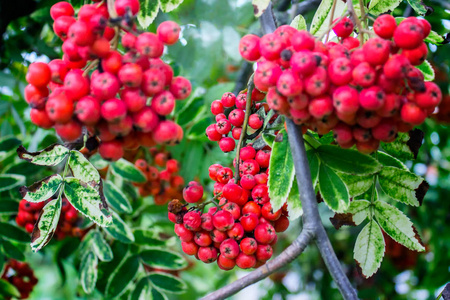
(355, 18)
(333, 9)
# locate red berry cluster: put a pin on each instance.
(21, 276)
(67, 226)
(233, 121)
(163, 181)
(113, 100)
(241, 230)
(364, 94)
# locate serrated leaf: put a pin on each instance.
(148, 12)
(42, 190)
(360, 210)
(322, 16)
(402, 185)
(313, 162)
(88, 272)
(397, 226)
(434, 38)
(293, 201)
(116, 198)
(50, 156)
(427, 70)
(122, 277)
(281, 172)
(333, 190)
(12, 250)
(259, 6)
(120, 230)
(101, 247)
(369, 249)
(13, 233)
(167, 283)
(82, 169)
(169, 5)
(7, 289)
(128, 171)
(86, 200)
(8, 207)
(163, 259)
(147, 237)
(299, 23)
(356, 185)
(390, 161)
(377, 7)
(418, 6)
(406, 145)
(10, 181)
(46, 225)
(347, 160)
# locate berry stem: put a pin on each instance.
(333, 9)
(351, 11)
(248, 107)
(92, 65)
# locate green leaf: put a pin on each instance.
(369, 249)
(347, 160)
(50, 156)
(128, 171)
(120, 230)
(197, 131)
(390, 161)
(377, 7)
(397, 226)
(356, 213)
(418, 6)
(333, 190)
(293, 201)
(86, 244)
(322, 16)
(163, 259)
(10, 181)
(42, 190)
(122, 277)
(427, 70)
(167, 283)
(268, 139)
(116, 198)
(356, 185)
(435, 38)
(82, 169)
(259, 6)
(169, 5)
(148, 12)
(86, 200)
(313, 162)
(8, 143)
(88, 272)
(101, 247)
(46, 225)
(299, 23)
(403, 186)
(406, 146)
(144, 290)
(12, 250)
(8, 207)
(7, 289)
(281, 172)
(13, 233)
(147, 237)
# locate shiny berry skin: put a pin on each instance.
(41, 118)
(228, 99)
(364, 75)
(180, 87)
(130, 75)
(59, 108)
(236, 232)
(223, 126)
(192, 220)
(372, 98)
(39, 74)
(227, 144)
(263, 158)
(289, 83)
(376, 51)
(321, 107)
(408, 35)
(412, 114)
(223, 220)
(249, 221)
(232, 192)
(384, 26)
(431, 97)
(270, 46)
(346, 100)
(183, 233)
(149, 45)
(87, 110)
(145, 120)
(207, 222)
(263, 252)
(111, 150)
(113, 110)
(255, 121)
(386, 131)
(268, 213)
(193, 192)
(105, 86)
(249, 47)
(344, 27)
(264, 233)
(202, 238)
(76, 85)
(61, 8)
(281, 224)
(152, 82)
(225, 263)
(248, 245)
(248, 181)
(217, 107)
(245, 261)
(190, 248)
(218, 236)
(212, 133)
(163, 103)
(236, 117)
(229, 248)
(123, 6)
(134, 99)
(207, 254)
(168, 32)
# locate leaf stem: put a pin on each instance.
(333, 9)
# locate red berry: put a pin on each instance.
(245, 261)
(168, 32)
(344, 27)
(249, 47)
(111, 150)
(193, 192)
(39, 74)
(223, 220)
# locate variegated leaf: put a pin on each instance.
(167, 283)
(163, 259)
(122, 277)
(299, 23)
(50, 156)
(356, 185)
(101, 247)
(148, 12)
(169, 5)
(82, 169)
(333, 190)
(128, 171)
(46, 225)
(322, 16)
(42, 190)
(120, 230)
(88, 272)
(369, 249)
(294, 202)
(10, 181)
(259, 6)
(377, 7)
(116, 198)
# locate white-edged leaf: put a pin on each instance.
(322, 16)
(369, 249)
(163, 259)
(397, 226)
(281, 172)
(148, 12)
(120, 230)
(259, 6)
(86, 200)
(299, 23)
(418, 6)
(169, 5)
(333, 190)
(88, 272)
(46, 225)
(167, 283)
(356, 213)
(390, 161)
(122, 277)
(294, 202)
(314, 163)
(116, 198)
(356, 184)
(128, 171)
(406, 146)
(427, 70)
(82, 169)
(402, 185)
(42, 190)
(377, 7)
(50, 156)
(101, 247)
(10, 181)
